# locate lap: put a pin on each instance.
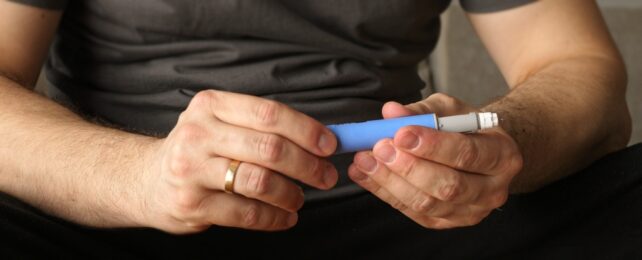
(596, 211)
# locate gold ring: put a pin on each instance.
(230, 175)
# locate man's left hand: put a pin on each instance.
(439, 179)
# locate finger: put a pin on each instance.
(380, 192)
(236, 211)
(479, 153)
(466, 215)
(459, 216)
(462, 215)
(268, 116)
(253, 181)
(440, 104)
(437, 180)
(393, 109)
(412, 197)
(273, 152)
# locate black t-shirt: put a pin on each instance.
(136, 64)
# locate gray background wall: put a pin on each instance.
(462, 68)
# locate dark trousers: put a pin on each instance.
(596, 213)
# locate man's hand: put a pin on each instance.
(183, 191)
(439, 179)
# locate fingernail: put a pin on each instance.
(292, 219)
(325, 143)
(330, 176)
(366, 163)
(409, 141)
(386, 153)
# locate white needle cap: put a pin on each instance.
(488, 120)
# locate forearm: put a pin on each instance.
(564, 117)
(56, 161)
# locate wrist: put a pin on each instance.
(123, 166)
(143, 172)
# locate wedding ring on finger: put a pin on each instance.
(230, 176)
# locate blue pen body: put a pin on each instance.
(362, 136)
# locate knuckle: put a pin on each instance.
(182, 230)
(258, 181)
(448, 101)
(472, 220)
(179, 149)
(398, 205)
(318, 170)
(267, 113)
(444, 101)
(278, 221)
(428, 223)
(434, 225)
(438, 96)
(424, 107)
(183, 117)
(250, 215)
(186, 203)
(516, 163)
(191, 229)
(431, 145)
(271, 147)
(495, 162)
(422, 203)
(452, 188)
(510, 160)
(203, 99)
(189, 133)
(498, 199)
(409, 167)
(180, 166)
(275, 223)
(467, 155)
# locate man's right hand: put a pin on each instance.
(183, 191)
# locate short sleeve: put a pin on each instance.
(47, 4)
(485, 6)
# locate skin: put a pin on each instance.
(445, 180)
(175, 184)
(563, 71)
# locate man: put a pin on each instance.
(212, 113)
